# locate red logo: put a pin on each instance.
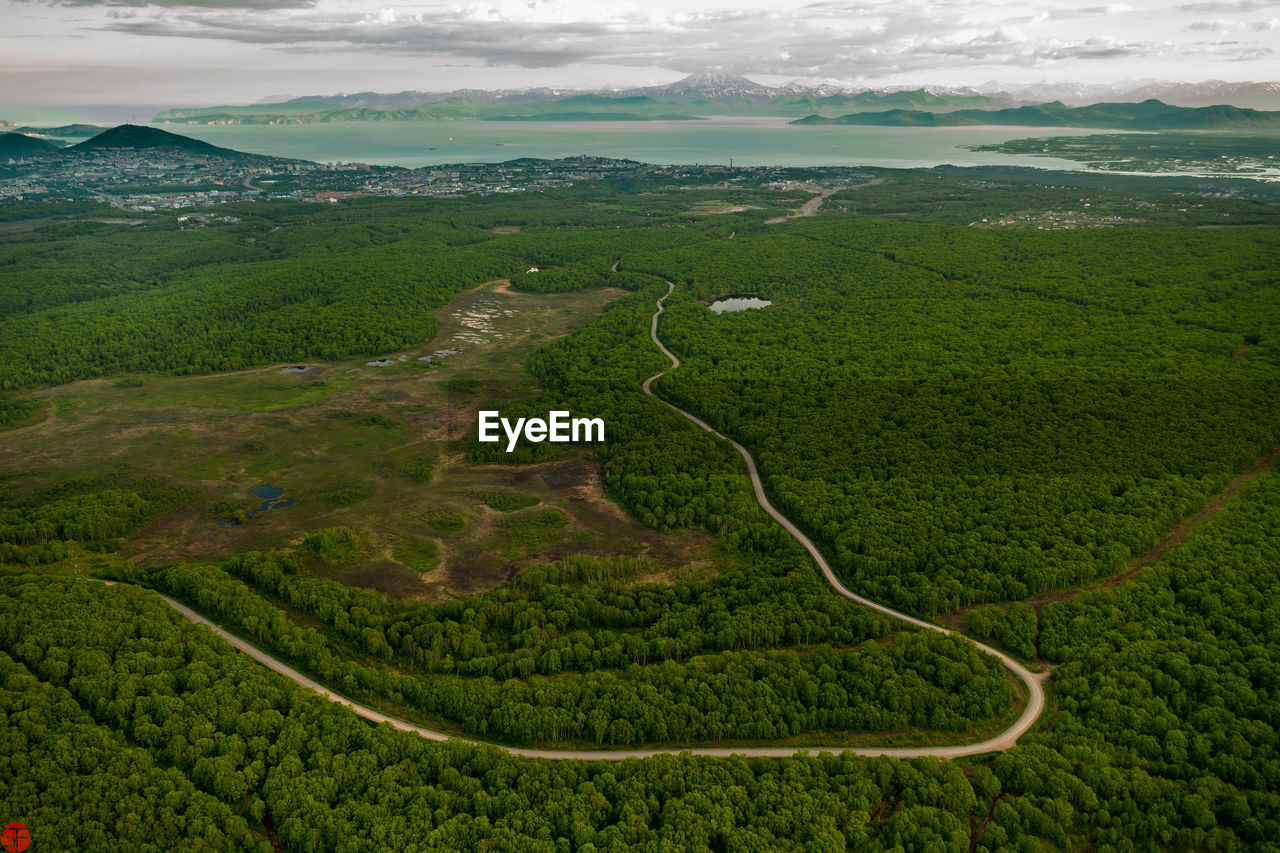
(15, 837)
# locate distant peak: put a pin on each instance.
(714, 84)
(714, 78)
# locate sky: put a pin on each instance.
(201, 52)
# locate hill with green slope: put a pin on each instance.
(1148, 115)
(132, 136)
(300, 105)
(916, 99)
(64, 131)
(19, 145)
(126, 137)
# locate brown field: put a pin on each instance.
(337, 438)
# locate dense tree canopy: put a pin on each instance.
(957, 416)
(656, 664)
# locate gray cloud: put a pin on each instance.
(839, 39)
(572, 42)
(1216, 25)
(1228, 6)
(190, 4)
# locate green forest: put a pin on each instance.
(290, 284)
(971, 423)
(1037, 443)
(1163, 737)
(737, 659)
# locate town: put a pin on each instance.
(170, 179)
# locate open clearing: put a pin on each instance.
(370, 448)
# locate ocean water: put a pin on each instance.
(107, 115)
(746, 141)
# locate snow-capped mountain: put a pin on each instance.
(709, 84)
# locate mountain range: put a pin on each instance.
(706, 85)
(1258, 96)
(712, 94)
(715, 85)
(1148, 115)
(696, 96)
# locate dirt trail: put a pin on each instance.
(1031, 680)
(809, 208)
(958, 620)
(1172, 540)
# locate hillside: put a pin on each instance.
(298, 105)
(132, 136)
(128, 137)
(18, 145)
(63, 131)
(1148, 115)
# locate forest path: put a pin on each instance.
(1002, 741)
(1169, 542)
(278, 666)
(1035, 692)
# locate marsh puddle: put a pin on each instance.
(739, 303)
(271, 499)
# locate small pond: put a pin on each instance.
(271, 499)
(738, 303)
(270, 496)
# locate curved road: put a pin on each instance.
(1035, 692)
(1002, 741)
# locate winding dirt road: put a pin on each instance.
(1032, 680)
(1002, 741)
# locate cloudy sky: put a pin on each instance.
(219, 51)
